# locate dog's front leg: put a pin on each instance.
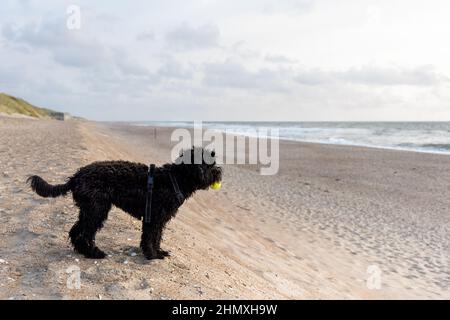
(151, 235)
(158, 246)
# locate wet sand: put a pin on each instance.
(309, 232)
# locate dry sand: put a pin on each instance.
(310, 232)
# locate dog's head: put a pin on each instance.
(200, 166)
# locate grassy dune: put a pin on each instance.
(11, 105)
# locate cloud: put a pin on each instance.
(67, 47)
(263, 7)
(374, 76)
(128, 66)
(314, 77)
(184, 37)
(71, 48)
(146, 36)
(234, 75)
(174, 70)
(285, 6)
(279, 59)
(419, 76)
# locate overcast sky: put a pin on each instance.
(230, 60)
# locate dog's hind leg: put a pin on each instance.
(82, 234)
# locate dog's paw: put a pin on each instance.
(97, 254)
(164, 253)
(152, 256)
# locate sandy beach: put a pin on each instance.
(313, 231)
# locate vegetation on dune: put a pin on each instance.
(11, 105)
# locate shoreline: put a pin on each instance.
(286, 139)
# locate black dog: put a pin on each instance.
(98, 186)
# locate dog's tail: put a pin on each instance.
(44, 189)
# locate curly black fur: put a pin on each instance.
(100, 185)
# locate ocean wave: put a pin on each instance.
(431, 137)
(438, 146)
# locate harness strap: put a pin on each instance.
(176, 188)
(150, 182)
(148, 203)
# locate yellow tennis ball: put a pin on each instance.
(216, 185)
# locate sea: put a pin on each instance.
(432, 137)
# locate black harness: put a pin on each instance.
(176, 188)
(148, 203)
(150, 182)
